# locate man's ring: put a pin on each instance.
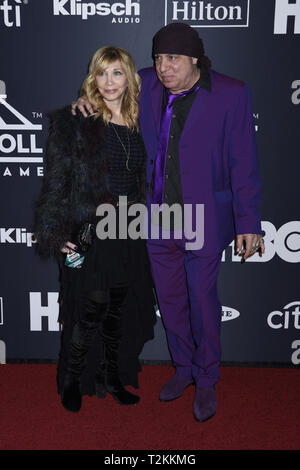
(257, 245)
(260, 242)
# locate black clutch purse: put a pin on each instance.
(85, 236)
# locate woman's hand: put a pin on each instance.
(83, 105)
(68, 246)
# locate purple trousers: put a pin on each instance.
(186, 287)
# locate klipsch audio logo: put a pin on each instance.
(285, 319)
(18, 140)
(208, 14)
(127, 11)
(16, 235)
(10, 12)
(285, 11)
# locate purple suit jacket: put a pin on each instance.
(217, 154)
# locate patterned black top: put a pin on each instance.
(126, 171)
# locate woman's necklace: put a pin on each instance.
(127, 153)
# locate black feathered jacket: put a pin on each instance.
(75, 180)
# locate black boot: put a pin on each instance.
(107, 376)
(83, 334)
(119, 393)
(71, 395)
(100, 378)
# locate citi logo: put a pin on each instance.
(18, 135)
(84, 9)
(284, 10)
(11, 10)
(288, 317)
(16, 235)
(285, 319)
(204, 14)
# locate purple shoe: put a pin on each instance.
(174, 388)
(205, 403)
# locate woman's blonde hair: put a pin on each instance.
(102, 58)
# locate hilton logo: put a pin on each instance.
(205, 14)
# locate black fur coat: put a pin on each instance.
(75, 180)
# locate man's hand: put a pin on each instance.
(83, 105)
(248, 244)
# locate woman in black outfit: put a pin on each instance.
(106, 301)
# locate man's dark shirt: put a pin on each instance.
(181, 109)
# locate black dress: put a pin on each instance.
(110, 263)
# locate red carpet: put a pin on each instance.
(258, 409)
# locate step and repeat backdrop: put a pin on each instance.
(45, 48)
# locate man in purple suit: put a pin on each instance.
(198, 130)
(204, 153)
